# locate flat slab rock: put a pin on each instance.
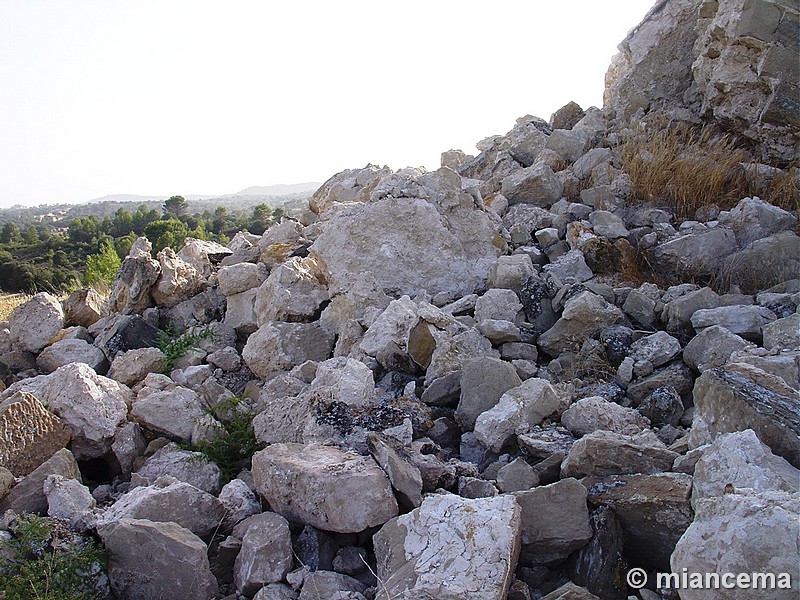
(324, 487)
(450, 548)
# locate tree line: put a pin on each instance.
(41, 257)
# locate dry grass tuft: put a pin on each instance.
(783, 192)
(8, 302)
(685, 168)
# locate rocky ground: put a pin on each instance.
(508, 378)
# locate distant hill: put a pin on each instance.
(280, 189)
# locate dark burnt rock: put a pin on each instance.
(315, 549)
(395, 382)
(601, 255)
(534, 291)
(608, 391)
(127, 333)
(783, 307)
(663, 407)
(388, 412)
(599, 566)
(617, 340)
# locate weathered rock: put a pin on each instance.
(596, 413)
(450, 547)
(697, 254)
(238, 278)
(497, 304)
(752, 219)
(69, 500)
(745, 321)
(178, 281)
(783, 333)
(277, 347)
(6, 481)
(483, 382)
(568, 143)
(351, 185)
(266, 554)
(29, 433)
(405, 477)
(190, 467)
(28, 495)
(555, 521)
(584, 315)
(420, 248)
(128, 445)
(324, 487)
(239, 502)
(131, 367)
(451, 353)
(678, 311)
(739, 397)
(35, 323)
(499, 332)
(746, 532)
(742, 460)
(676, 375)
(240, 313)
(511, 272)
(606, 453)
(653, 510)
(325, 585)
(130, 292)
(518, 410)
(120, 333)
(541, 443)
(169, 501)
(570, 267)
(764, 263)
(516, 476)
(84, 307)
(173, 412)
(68, 351)
(157, 560)
(662, 407)
(712, 348)
(658, 348)
(294, 291)
(536, 185)
(202, 254)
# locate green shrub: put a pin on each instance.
(31, 566)
(174, 347)
(102, 267)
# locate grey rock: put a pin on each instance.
(585, 315)
(675, 375)
(450, 547)
(542, 442)
(783, 333)
(157, 560)
(474, 487)
(130, 292)
(405, 477)
(240, 313)
(570, 267)
(745, 321)
(752, 219)
(266, 554)
(678, 311)
(608, 225)
(277, 347)
(35, 323)
(535, 185)
(607, 453)
(499, 332)
(131, 367)
(28, 496)
(658, 348)
(662, 407)
(190, 467)
(68, 351)
(238, 278)
(239, 502)
(516, 476)
(763, 263)
(712, 348)
(326, 585)
(596, 413)
(696, 253)
(499, 304)
(69, 500)
(569, 143)
(596, 565)
(584, 166)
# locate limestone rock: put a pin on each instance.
(28, 495)
(129, 444)
(190, 467)
(745, 321)
(555, 521)
(662, 407)
(696, 253)
(739, 397)
(68, 351)
(516, 476)
(753, 219)
(418, 248)
(178, 281)
(584, 315)
(783, 333)
(606, 453)
(327, 585)
(483, 382)
(240, 312)
(169, 501)
(404, 476)
(266, 554)
(450, 547)
(35, 323)
(351, 185)
(157, 560)
(294, 291)
(238, 278)
(596, 413)
(742, 532)
(277, 347)
(84, 307)
(239, 502)
(324, 487)
(658, 348)
(202, 254)
(130, 292)
(518, 410)
(69, 500)
(653, 510)
(764, 263)
(742, 460)
(712, 347)
(120, 333)
(131, 367)
(29, 433)
(535, 185)
(172, 412)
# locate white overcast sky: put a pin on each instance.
(167, 97)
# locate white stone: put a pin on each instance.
(36, 322)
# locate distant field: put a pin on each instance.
(9, 302)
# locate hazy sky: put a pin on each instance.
(193, 97)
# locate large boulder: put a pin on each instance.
(277, 347)
(36, 322)
(324, 487)
(130, 292)
(294, 291)
(174, 411)
(190, 467)
(450, 548)
(483, 382)
(419, 231)
(178, 281)
(536, 185)
(696, 254)
(71, 350)
(752, 219)
(156, 560)
(740, 396)
(29, 433)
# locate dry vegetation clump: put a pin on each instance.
(782, 190)
(9, 302)
(685, 168)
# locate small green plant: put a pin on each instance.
(235, 443)
(174, 346)
(102, 267)
(32, 566)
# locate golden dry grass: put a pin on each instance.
(9, 302)
(783, 192)
(685, 169)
